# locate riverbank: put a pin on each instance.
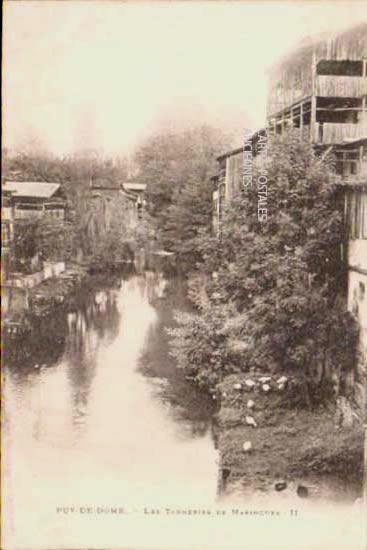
(36, 329)
(267, 445)
(56, 291)
(31, 309)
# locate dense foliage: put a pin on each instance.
(38, 240)
(277, 282)
(177, 168)
(85, 234)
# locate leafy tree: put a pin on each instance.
(52, 240)
(177, 169)
(282, 277)
(75, 174)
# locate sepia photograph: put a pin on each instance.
(184, 275)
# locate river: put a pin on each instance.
(98, 416)
(107, 446)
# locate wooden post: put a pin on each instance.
(313, 98)
(364, 74)
(364, 110)
(359, 170)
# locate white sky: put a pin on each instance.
(107, 74)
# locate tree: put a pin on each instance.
(51, 240)
(177, 169)
(75, 174)
(284, 276)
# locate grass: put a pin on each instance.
(288, 443)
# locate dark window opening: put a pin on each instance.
(345, 116)
(339, 110)
(362, 291)
(340, 68)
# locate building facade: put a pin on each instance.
(356, 230)
(322, 90)
(36, 199)
(233, 167)
(7, 233)
(135, 192)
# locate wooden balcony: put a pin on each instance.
(335, 133)
(341, 86)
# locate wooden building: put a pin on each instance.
(36, 199)
(135, 191)
(234, 168)
(356, 231)
(115, 204)
(321, 89)
(7, 233)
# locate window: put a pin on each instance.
(362, 290)
(340, 68)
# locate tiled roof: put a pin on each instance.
(37, 189)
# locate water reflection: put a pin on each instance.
(189, 407)
(96, 323)
(111, 421)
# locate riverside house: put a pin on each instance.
(36, 199)
(321, 88)
(356, 229)
(7, 233)
(233, 166)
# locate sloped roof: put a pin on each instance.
(134, 186)
(36, 189)
(362, 140)
(104, 183)
(349, 44)
(238, 150)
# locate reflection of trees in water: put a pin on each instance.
(96, 320)
(74, 336)
(155, 285)
(193, 409)
(41, 346)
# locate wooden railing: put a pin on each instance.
(341, 86)
(330, 132)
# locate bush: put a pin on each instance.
(200, 345)
(275, 299)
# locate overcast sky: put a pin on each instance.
(106, 74)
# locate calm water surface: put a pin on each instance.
(105, 420)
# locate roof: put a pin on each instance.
(348, 44)
(230, 153)
(104, 184)
(251, 136)
(134, 186)
(37, 189)
(355, 141)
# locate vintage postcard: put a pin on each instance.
(184, 275)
